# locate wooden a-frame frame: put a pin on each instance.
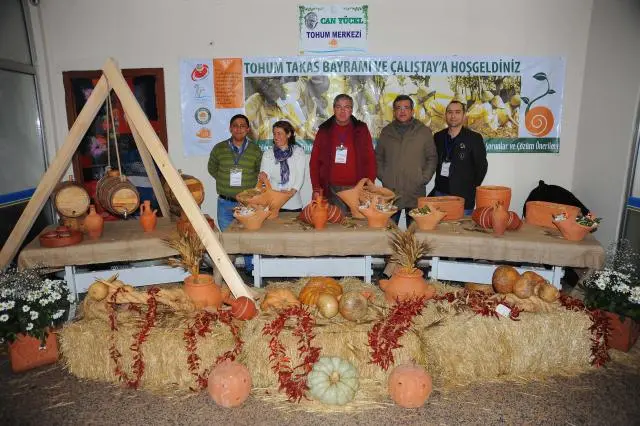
(151, 149)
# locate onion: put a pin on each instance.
(353, 305)
(327, 305)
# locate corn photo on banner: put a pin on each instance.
(514, 102)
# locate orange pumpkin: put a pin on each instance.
(548, 292)
(504, 278)
(229, 384)
(409, 385)
(278, 298)
(243, 308)
(316, 286)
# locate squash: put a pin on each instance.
(354, 305)
(548, 292)
(409, 385)
(333, 380)
(229, 384)
(503, 279)
(278, 298)
(316, 286)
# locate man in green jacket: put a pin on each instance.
(406, 157)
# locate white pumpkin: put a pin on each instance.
(333, 380)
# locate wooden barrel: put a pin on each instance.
(117, 195)
(71, 199)
(195, 187)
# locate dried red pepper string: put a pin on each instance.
(599, 329)
(293, 383)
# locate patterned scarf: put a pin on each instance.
(282, 155)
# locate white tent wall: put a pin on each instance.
(79, 35)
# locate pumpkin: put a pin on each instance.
(98, 291)
(316, 286)
(527, 285)
(409, 385)
(548, 293)
(354, 305)
(333, 380)
(503, 279)
(229, 384)
(327, 305)
(278, 298)
(243, 308)
(334, 214)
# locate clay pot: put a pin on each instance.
(203, 291)
(26, 353)
(483, 216)
(243, 308)
(351, 197)
(486, 196)
(405, 285)
(148, 218)
(274, 199)
(229, 384)
(93, 224)
(377, 218)
(572, 230)
(541, 212)
(451, 205)
(499, 219)
(253, 222)
(319, 212)
(430, 221)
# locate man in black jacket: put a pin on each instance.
(462, 158)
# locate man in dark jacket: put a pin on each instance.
(342, 153)
(406, 157)
(462, 158)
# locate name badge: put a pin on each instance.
(444, 171)
(341, 155)
(235, 178)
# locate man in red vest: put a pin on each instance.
(342, 153)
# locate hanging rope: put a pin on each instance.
(115, 136)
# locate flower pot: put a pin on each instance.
(203, 291)
(254, 221)
(451, 205)
(93, 223)
(428, 222)
(404, 285)
(622, 334)
(25, 352)
(351, 197)
(541, 213)
(572, 230)
(377, 218)
(486, 196)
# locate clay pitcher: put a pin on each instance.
(405, 285)
(148, 218)
(351, 197)
(500, 218)
(93, 223)
(203, 291)
(319, 213)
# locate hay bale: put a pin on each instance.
(85, 349)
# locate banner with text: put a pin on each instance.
(333, 29)
(514, 102)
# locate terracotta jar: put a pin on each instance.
(453, 206)
(148, 218)
(487, 195)
(622, 334)
(269, 197)
(319, 212)
(351, 197)
(254, 221)
(404, 285)
(377, 218)
(26, 353)
(429, 221)
(93, 224)
(572, 230)
(541, 212)
(499, 218)
(203, 291)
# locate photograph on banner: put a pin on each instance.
(333, 29)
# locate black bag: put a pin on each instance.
(553, 194)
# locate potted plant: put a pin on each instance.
(575, 228)
(615, 289)
(201, 288)
(407, 281)
(427, 217)
(31, 306)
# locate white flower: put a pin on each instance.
(4, 318)
(55, 295)
(634, 297)
(58, 314)
(25, 308)
(34, 315)
(29, 326)
(71, 298)
(10, 304)
(44, 302)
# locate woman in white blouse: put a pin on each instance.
(285, 164)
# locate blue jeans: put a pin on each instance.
(225, 217)
(467, 212)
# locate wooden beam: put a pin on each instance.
(174, 180)
(152, 173)
(54, 173)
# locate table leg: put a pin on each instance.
(434, 268)
(257, 270)
(558, 273)
(70, 278)
(367, 269)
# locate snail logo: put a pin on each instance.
(200, 72)
(539, 120)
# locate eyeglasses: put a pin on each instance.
(240, 126)
(402, 108)
(343, 107)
